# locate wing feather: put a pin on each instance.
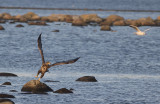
(40, 48)
(65, 62)
(135, 27)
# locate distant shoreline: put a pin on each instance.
(78, 9)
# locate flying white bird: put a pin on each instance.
(139, 32)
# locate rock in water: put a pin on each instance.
(6, 101)
(6, 83)
(63, 91)
(36, 86)
(8, 75)
(6, 96)
(87, 79)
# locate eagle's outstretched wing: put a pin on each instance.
(40, 48)
(65, 62)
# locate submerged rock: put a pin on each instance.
(8, 75)
(6, 101)
(36, 86)
(87, 79)
(50, 81)
(63, 91)
(6, 96)
(6, 83)
(55, 31)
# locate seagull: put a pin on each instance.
(46, 65)
(139, 32)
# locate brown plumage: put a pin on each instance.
(46, 65)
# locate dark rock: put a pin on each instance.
(6, 83)
(50, 81)
(19, 25)
(1, 28)
(8, 75)
(13, 91)
(87, 79)
(35, 86)
(55, 31)
(63, 91)
(6, 101)
(6, 96)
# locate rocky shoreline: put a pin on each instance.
(32, 18)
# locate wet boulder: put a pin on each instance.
(132, 22)
(46, 18)
(8, 75)
(5, 16)
(36, 86)
(78, 21)
(105, 28)
(6, 96)
(112, 18)
(91, 18)
(63, 91)
(6, 101)
(106, 22)
(119, 23)
(30, 16)
(19, 25)
(60, 17)
(6, 83)
(146, 21)
(158, 18)
(1, 28)
(87, 79)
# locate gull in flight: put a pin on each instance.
(139, 32)
(46, 65)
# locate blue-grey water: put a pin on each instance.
(89, 4)
(126, 66)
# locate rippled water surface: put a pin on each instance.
(126, 66)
